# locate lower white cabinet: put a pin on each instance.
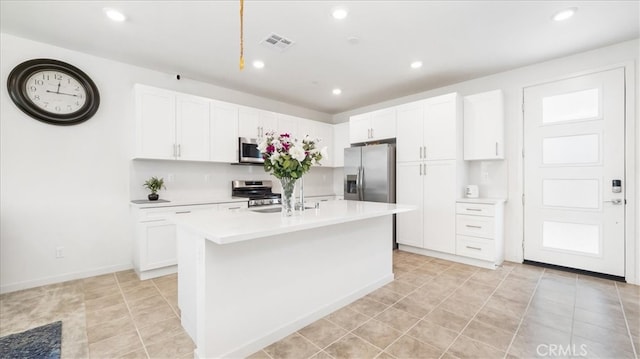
(479, 229)
(155, 251)
(432, 187)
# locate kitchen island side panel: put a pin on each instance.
(260, 291)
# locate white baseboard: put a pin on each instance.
(158, 272)
(448, 257)
(8, 288)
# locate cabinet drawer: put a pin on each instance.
(232, 206)
(475, 226)
(475, 209)
(475, 248)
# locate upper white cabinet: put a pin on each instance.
(223, 132)
(254, 123)
(340, 142)
(171, 125)
(288, 124)
(427, 129)
(323, 132)
(373, 126)
(192, 128)
(484, 126)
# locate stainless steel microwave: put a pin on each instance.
(248, 151)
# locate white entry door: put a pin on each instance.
(573, 160)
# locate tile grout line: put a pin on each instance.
(476, 314)
(372, 317)
(126, 303)
(436, 306)
(526, 309)
(626, 322)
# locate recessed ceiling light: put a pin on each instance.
(258, 64)
(115, 15)
(416, 64)
(565, 14)
(339, 14)
(337, 91)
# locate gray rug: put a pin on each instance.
(41, 342)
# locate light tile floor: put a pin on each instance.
(434, 309)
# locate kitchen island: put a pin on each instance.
(247, 279)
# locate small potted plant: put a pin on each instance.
(154, 184)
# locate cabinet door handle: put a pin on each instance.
(183, 212)
(496, 148)
(179, 151)
(421, 169)
(475, 248)
(425, 151)
(230, 208)
(470, 226)
(474, 209)
(372, 133)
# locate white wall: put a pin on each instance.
(70, 187)
(506, 177)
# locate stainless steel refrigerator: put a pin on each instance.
(370, 173)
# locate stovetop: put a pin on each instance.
(258, 192)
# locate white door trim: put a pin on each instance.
(632, 164)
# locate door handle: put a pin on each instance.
(616, 201)
(470, 226)
(179, 151)
(496, 148)
(421, 169)
(360, 184)
(183, 212)
(372, 133)
(476, 248)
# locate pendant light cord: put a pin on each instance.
(241, 35)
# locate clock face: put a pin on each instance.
(55, 92)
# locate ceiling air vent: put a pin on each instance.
(277, 42)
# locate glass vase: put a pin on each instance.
(288, 202)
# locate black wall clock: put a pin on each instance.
(53, 91)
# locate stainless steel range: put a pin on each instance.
(258, 192)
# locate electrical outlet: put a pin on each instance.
(170, 177)
(207, 178)
(59, 252)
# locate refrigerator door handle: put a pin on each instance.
(360, 182)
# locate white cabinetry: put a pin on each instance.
(171, 125)
(174, 126)
(288, 124)
(484, 126)
(340, 142)
(427, 129)
(432, 187)
(254, 123)
(224, 132)
(373, 126)
(322, 131)
(479, 230)
(155, 252)
(192, 128)
(429, 173)
(155, 123)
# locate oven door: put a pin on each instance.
(248, 151)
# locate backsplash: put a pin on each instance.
(202, 180)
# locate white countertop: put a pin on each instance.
(226, 227)
(482, 200)
(187, 202)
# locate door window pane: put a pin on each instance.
(580, 105)
(571, 193)
(580, 149)
(574, 237)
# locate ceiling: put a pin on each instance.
(455, 40)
